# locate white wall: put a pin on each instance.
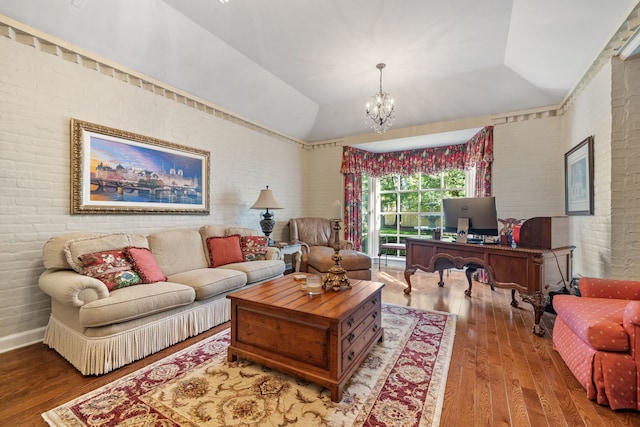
(625, 169)
(39, 93)
(590, 114)
(528, 168)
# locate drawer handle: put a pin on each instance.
(350, 322)
(351, 337)
(374, 301)
(374, 314)
(351, 355)
(375, 327)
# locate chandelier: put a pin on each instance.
(380, 112)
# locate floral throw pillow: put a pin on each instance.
(110, 267)
(253, 247)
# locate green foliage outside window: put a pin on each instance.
(411, 206)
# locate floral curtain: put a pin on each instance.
(477, 152)
(353, 209)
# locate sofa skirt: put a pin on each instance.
(99, 355)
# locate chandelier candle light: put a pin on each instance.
(380, 112)
(266, 201)
(336, 278)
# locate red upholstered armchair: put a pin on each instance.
(598, 337)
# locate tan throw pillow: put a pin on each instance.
(73, 249)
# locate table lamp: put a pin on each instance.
(266, 201)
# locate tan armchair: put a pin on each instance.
(315, 235)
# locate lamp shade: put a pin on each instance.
(266, 201)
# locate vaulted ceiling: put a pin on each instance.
(306, 68)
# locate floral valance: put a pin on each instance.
(477, 151)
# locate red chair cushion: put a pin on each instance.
(597, 321)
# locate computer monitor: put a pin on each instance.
(481, 211)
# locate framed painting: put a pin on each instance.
(119, 172)
(578, 179)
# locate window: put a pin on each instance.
(406, 206)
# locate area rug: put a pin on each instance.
(400, 383)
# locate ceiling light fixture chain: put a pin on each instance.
(380, 111)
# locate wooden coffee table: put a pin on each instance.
(321, 338)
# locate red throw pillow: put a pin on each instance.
(224, 250)
(253, 247)
(110, 267)
(145, 264)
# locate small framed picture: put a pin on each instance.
(578, 176)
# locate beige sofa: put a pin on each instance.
(99, 330)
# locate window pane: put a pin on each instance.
(409, 182)
(388, 224)
(430, 201)
(388, 202)
(454, 179)
(388, 183)
(431, 181)
(409, 223)
(447, 194)
(408, 202)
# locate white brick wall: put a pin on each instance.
(590, 114)
(39, 94)
(625, 169)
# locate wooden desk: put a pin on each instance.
(523, 269)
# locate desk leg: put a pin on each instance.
(441, 282)
(407, 276)
(469, 273)
(536, 300)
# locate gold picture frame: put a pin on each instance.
(119, 172)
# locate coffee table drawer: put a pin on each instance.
(288, 337)
(353, 336)
(361, 343)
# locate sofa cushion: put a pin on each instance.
(145, 264)
(110, 267)
(178, 250)
(212, 230)
(320, 258)
(135, 302)
(597, 321)
(253, 248)
(224, 250)
(208, 282)
(257, 271)
(242, 231)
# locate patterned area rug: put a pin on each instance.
(401, 383)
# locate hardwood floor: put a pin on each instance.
(500, 373)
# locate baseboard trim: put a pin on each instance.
(21, 339)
